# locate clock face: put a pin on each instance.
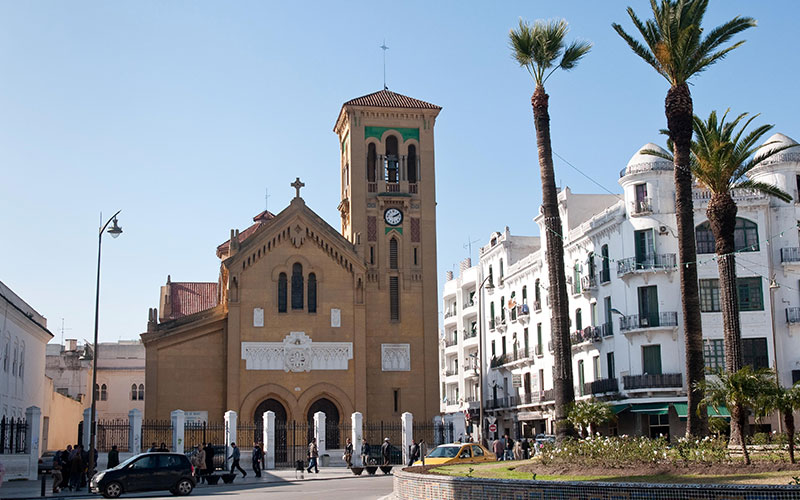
(393, 216)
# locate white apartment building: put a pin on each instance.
(620, 253)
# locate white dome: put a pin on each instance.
(776, 141)
(641, 162)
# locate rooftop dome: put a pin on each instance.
(776, 141)
(641, 162)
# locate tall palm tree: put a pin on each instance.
(675, 47)
(540, 48)
(721, 158)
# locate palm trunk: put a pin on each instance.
(788, 419)
(721, 214)
(678, 108)
(738, 418)
(562, 351)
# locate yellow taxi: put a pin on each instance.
(458, 453)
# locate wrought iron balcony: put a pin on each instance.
(655, 262)
(636, 322)
(469, 334)
(450, 340)
(451, 371)
(537, 305)
(641, 207)
(793, 315)
(547, 395)
(500, 324)
(601, 386)
(449, 314)
(607, 329)
(588, 334)
(468, 304)
(790, 254)
(653, 381)
(589, 282)
(498, 361)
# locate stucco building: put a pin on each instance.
(305, 317)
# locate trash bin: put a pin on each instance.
(325, 460)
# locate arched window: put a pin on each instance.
(491, 275)
(392, 166)
(524, 294)
(5, 358)
(312, 293)
(578, 319)
(22, 361)
(96, 392)
(576, 276)
(502, 309)
(14, 362)
(141, 392)
(605, 273)
(103, 392)
(411, 164)
(394, 298)
(282, 293)
(297, 286)
(745, 237)
(372, 160)
(393, 253)
(537, 295)
(134, 394)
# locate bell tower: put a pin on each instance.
(388, 211)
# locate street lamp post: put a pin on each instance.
(114, 231)
(489, 287)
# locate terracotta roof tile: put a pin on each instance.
(388, 99)
(259, 219)
(189, 298)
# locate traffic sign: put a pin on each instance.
(492, 427)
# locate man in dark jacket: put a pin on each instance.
(257, 457)
(209, 449)
(113, 457)
(413, 455)
(386, 451)
(364, 452)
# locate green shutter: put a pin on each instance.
(651, 359)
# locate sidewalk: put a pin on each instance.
(32, 489)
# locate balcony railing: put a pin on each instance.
(491, 324)
(793, 315)
(372, 187)
(547, 395)
(500, 323)
(469, 334)
(451, 371)
(741, 194)
(641, 207)
(790, 254)
(601, 386)
(449, 314)
(413, 188)
(607, 329)
(660, 381)
(635, 321)
(588, 282)
(588, 334)
(468, 304)
(537, 305)
(649, 263)
(519, 354)
(498, 361)
(450, 340)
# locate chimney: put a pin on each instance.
(70, 345)
(465, 264)
(448, 276)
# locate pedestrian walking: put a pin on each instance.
(518, 450)
(58, 477)
(209, 452)
(199, 462)
(509, 448)
(75, 468)
(386, 451)
(113, 457)
(413, 452)
(257, 457)
(313, 456)
(348, 453)
(364, 452)
(526, 449)
(497, 448)
(235, 455)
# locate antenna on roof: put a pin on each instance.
(468, 244)
(266, 199)
(384, 48)
(62, 331)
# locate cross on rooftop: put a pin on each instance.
(297, 185)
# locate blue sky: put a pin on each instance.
(183, 113)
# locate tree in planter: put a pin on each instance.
(589, 413)
(675, 47)
(540, 48)
(722, 156)
(741, 389)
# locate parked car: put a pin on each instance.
(47, 461)
(150, 471)
(541, 440)
(458, 453)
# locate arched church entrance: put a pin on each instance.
(332, 433)
(280, 426)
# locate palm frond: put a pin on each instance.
(763, 187)
(540, 48)
(657, 153)
(573, 53)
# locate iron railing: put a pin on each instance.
(607, 329)
(13, 434)
(790, 254)
(636, 321)
(641, 207)
(155, 432)
(651, 262)
(450, 340)
(793, 314)
(601, 386)
(588, 334)
(376, 432)
(113, 433)
(653, 381)
(433, 433)
(589, 282)
(468, 334)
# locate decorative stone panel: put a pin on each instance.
(297, 353)
(396, 357)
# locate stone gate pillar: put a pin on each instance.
(33, 418)
(319, 431)
(269, 439)
(135, 431)
(87, 425)
(357, 423)
(178, 418)
(231, 421)
(407, 429)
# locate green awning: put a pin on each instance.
(651, 408)
(683, 411)
(617, 409)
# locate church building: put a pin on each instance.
(307, 318)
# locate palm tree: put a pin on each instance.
(785, 401)
(721, 158)
(741, 389)
(675, 47)
(589, 413)
(540, 48)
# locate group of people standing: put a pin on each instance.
(71, 467)
(507, 449)
(203, 460)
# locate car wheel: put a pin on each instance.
(184, 487)
(112, 490)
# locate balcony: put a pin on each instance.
(451, 371)
(659, 381)
(588, 283)
(537, 306)
(704, 195)
(470, 334)
(588, 334)
(469, 303)
(547, 395)
(651, 263)
(793, 315)
(450, 315)
(413, 188)
(450, 340)
(500, 324)
(607, 329)
(517, 355)
(790, 255)
(523, 314)
(641, 207)
(372, 187)
(497, 361)
(637, 322)
(602, 386)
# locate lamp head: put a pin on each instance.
(489, 286)
(115, 230)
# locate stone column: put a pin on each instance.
(319, 432)
(407, 421)
(135, 431)
(269, 439)
(178, 418)
(459, 427)
(87, 424)
(231, 419)
(33, 418)
(357, 423)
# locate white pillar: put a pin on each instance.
(33, 418)
(178, 418)
(407, 421)
(269, 438)
(319, 431)
(87, 424)
(459, 427)
(357, 422)
(135, 431)
(230, 433)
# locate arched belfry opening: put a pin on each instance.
(392, 160)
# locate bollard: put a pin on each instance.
(44, 483)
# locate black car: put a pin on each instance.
(146, 472)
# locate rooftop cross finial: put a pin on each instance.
(297, 185)
(384, 48)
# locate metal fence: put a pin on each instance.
(291, 442)
(113, 433)
(248, 433)
(376, 432)
(195, 433)
(434, 433)
(336, 434)
(156, 431)
(12, 435)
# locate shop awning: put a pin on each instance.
(683, 411)
(617, 409)
(651, 408)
